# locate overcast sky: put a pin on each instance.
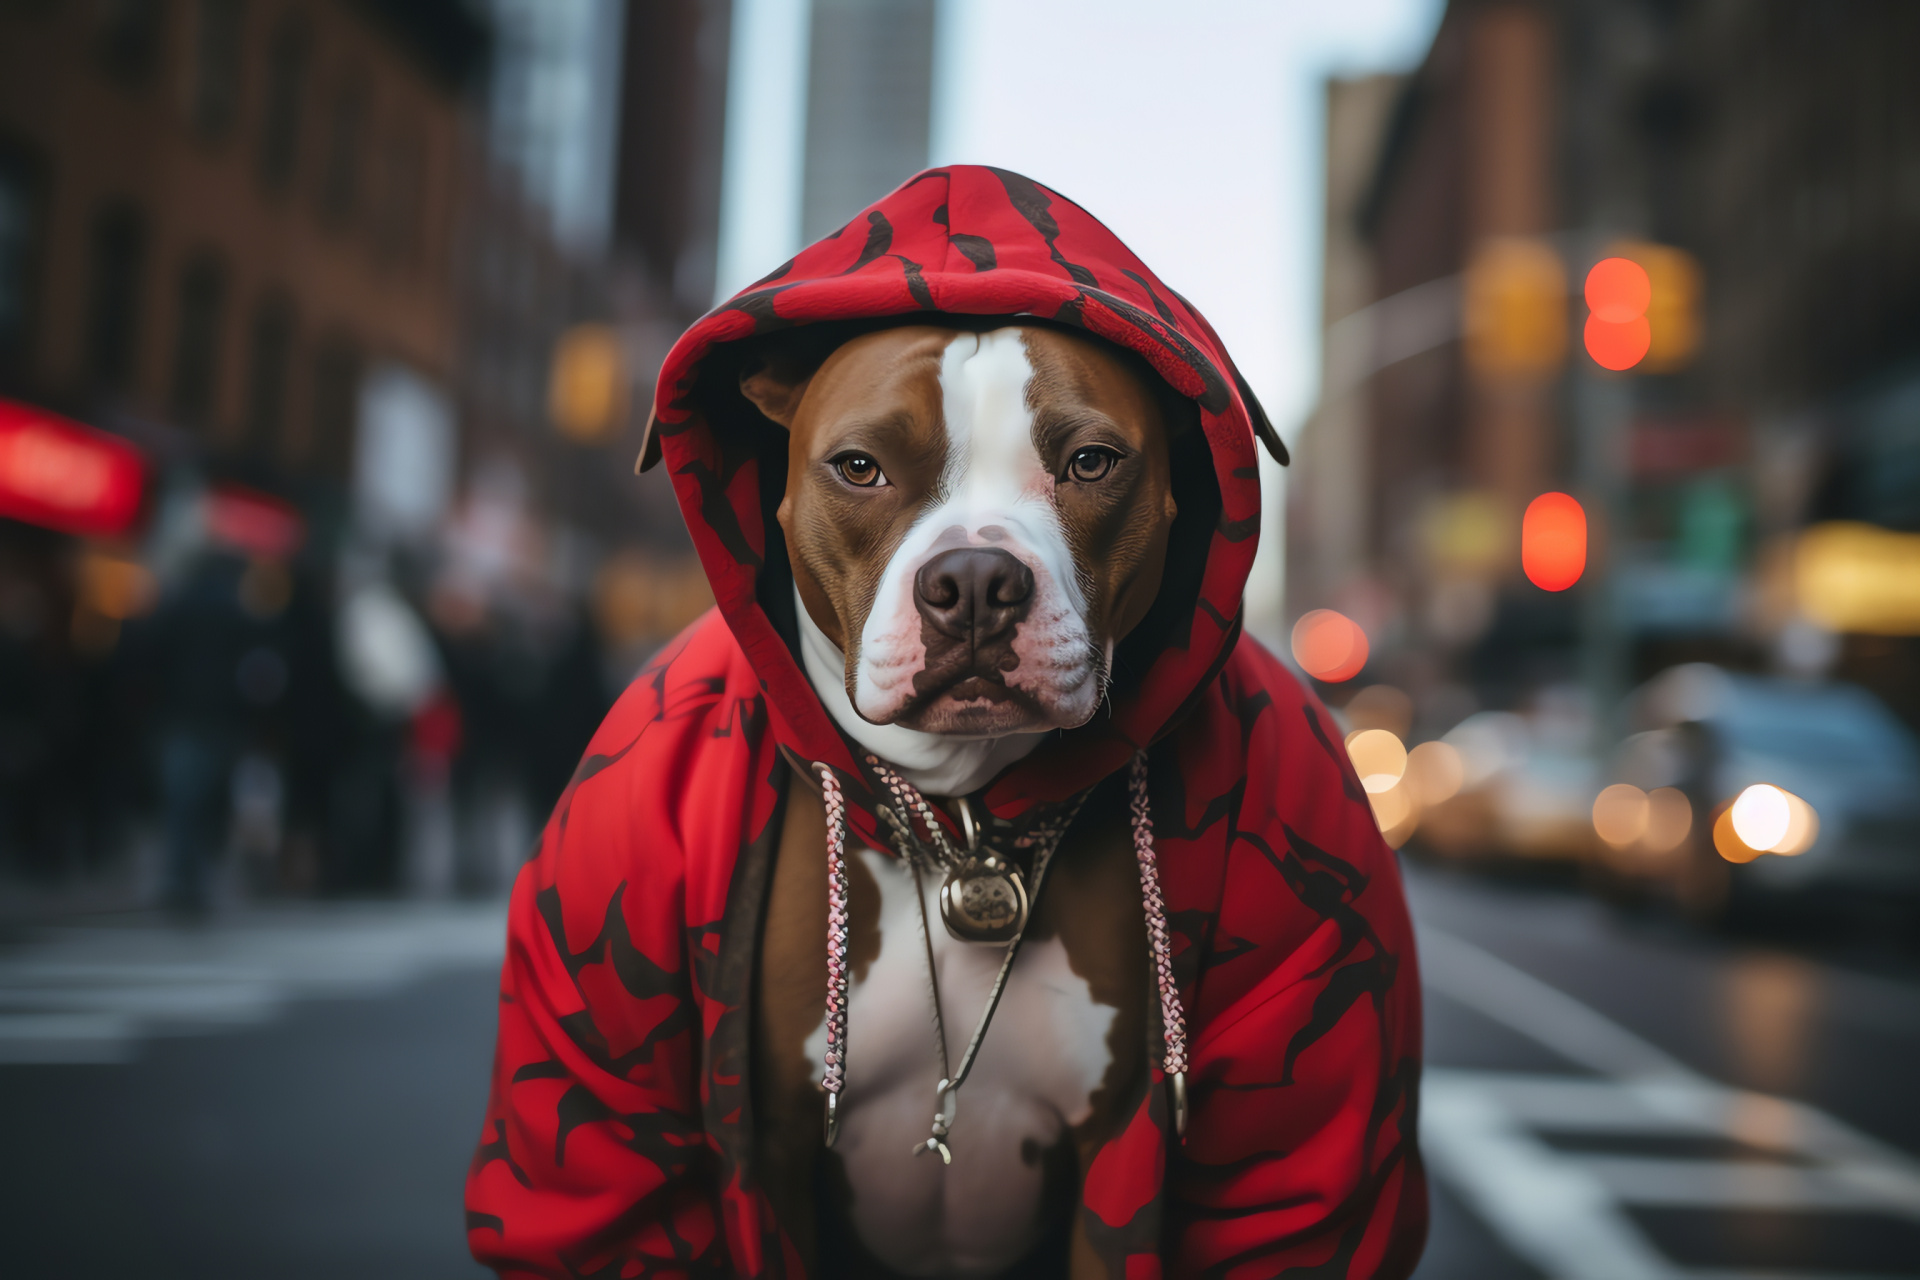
(1192, 129)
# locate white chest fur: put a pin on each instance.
(1043, 1057)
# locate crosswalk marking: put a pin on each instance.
(95, 993)
(1564, 1210)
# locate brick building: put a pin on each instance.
(219, 213)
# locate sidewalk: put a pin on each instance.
(93, 992)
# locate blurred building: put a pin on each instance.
(228, 240)
(829, 106)
(219, 213)
(666, 206)
(1757, 157)
(366, 297)
(869, 105)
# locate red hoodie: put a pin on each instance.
(618, 1141)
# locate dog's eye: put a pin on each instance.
(859, 470)
(1090, 464)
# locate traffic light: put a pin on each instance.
(1617, 333)
(1673, 312)
(1515, 301)
(587, 394)
(1644, 308)
(1553, 541)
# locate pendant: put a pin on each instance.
(984, 900)
(949, 1095)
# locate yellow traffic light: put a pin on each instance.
(587, 391)
(1673, 309)
(1515, 299)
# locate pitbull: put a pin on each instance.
(974, 519)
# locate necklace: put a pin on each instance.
(982, 894)
(983, 897)
(938, 849)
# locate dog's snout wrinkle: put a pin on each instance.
(974, 594)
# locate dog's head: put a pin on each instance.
(975, 518)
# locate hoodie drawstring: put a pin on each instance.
(1173, 1018)
(836, 1072)
(1173, 1022)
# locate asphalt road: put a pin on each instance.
(295, 1095)
(1607, 1098)
(1620, 1098)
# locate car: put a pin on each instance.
(1738, 789)
(1525, 788)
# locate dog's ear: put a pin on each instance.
(776, 386)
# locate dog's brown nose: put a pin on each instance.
(976, 594)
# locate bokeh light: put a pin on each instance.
(1727, 842)
(1669, 819)
(1553, 542)
(1803, 828)
(1617, 333)
(1621, 814)
(1618, 290)
(1761, 816)
(1393, 810)
(1618, 347)
(1380, 706)
(1329, 646)
(1851, 576)
(1435, 773)
(1378, 757)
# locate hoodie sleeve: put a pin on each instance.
(592, 1158)
(1301, 1149)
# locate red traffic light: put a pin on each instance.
(1553, 542)
(1617, 333)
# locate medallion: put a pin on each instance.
(984, 899)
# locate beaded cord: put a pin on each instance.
(836, 1073)
(1173, 1018)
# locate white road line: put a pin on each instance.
(1721, 1184)
(1546, 1015)
(1565, 1211)
(43, 1038)
(94, 993)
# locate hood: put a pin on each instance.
(969, 241)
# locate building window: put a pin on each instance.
(215, 95)
(128, 39)
(19, 241)
(286, 86)
(269, 362)
(196, 352)
(118, 251)
(398, 234)
(336, 403)
(340, 169)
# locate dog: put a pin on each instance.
(974, 520)
(966, 896)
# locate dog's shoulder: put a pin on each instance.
(660, 780)
(693, 685)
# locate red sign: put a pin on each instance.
(254, 522)
(1684, 446)
(61, 475)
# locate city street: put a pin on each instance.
(295, 1094)
(291, 1094)
(1626, 1100)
